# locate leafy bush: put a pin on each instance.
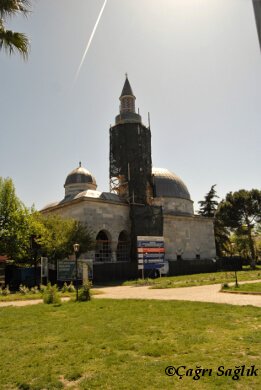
(34, 290)
(65, 287)
(5, 291)
(51, 294)
(224, 286)
(42, 288)
(84, 292)
(71, 287)
(23, 289)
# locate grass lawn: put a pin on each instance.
(247, 287)
(127, 344)
(196, 279)
(25, 297)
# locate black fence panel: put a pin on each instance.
(230, 263)
(189, 267)
(118, 271)
(14, 276)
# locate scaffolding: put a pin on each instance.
(130, 162)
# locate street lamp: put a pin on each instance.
(76, 248)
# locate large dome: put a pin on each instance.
(168, 184)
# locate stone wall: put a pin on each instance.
(174, 205)
(189, 237)
(98, 214)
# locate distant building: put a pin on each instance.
(143, 201)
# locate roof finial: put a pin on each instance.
(80, 164)
(126, 74)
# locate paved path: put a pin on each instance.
(26, 302)
(208, 293)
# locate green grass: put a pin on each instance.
(246, 287)
(126, 344)
(25, 297)
(196, 279)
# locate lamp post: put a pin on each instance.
(76, 248)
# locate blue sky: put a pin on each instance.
(195, 65)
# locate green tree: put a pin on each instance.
(14, 222)
(209, 205)
(222, 235)
(241, 211)
(257, 239)
(26, 235)
(209, 208)
(10, 40)
(56, 235)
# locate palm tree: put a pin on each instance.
(10, 40)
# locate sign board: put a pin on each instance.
(66, 269)
(44, 267)
(151, 252)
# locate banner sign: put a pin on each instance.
(151, 252)
(66, 269)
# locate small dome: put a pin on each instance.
(79, 180)
(168, 184)
(80, 175)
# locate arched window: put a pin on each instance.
(123, 247)
(103, 246)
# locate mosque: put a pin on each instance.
(143, 203)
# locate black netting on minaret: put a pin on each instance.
(131, 178)
(130, 162)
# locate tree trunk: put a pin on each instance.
(251, 247)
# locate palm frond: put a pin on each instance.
(11, 41)
(11, 7)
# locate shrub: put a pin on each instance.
(34, 290)
(23, 289)
(51, 294)
(224, 286)
(71, 287)
(42, 288)
(5, 291)
(84, 292)
(65, 287)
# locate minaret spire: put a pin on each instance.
(127, 105)
(127, 98)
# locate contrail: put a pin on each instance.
(89, 42)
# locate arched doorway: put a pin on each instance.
(103, 246)
(123, 247)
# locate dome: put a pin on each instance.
(79, 180)
(168, 184)
(80, 175)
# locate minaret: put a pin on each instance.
(131, 169)
(130, 152)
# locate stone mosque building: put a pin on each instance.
(143, 201)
